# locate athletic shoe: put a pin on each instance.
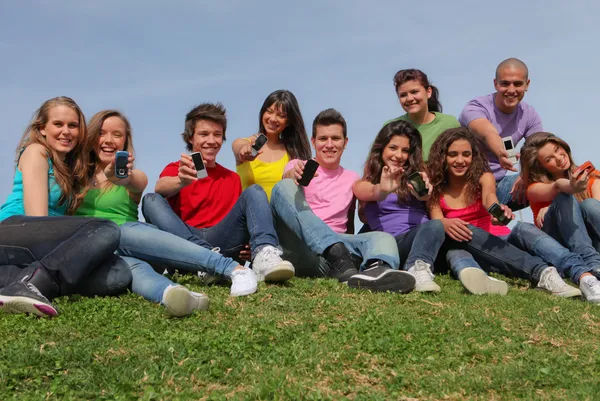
(380, 277)
(551, 281)
(243, 282)
(211, 279)
(590, 289)
(477, 282)
(422, 273)
(179, 301)
(24, 297)
(342, 264)
(268, 265)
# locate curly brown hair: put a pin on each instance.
(531, 168)
(374, 163)
(438, 169)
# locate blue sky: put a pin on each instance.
(155, 60)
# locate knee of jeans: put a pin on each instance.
(437, 227)
(283, 188)
(150, 199)
(107, 232)
(563, 197)
(590, 205)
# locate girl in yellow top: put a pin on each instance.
(281, 121)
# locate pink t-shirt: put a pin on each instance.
(476, 215)
(330, 195)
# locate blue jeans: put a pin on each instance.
(503, 188)
(564, 221)
(421, 243)
(535, 241)
(304, 236)
(493, 254)
(249, 221)
(590, 209)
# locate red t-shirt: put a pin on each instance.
(474, 214)
(207, 201)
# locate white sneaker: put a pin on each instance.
(477, 282)
(552, 282)
(424, 277)
(179, 301)
(268, 265)
(208, 278)
(243, 282)
(590, 288)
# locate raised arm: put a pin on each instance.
(546, 192)
(484, 129)
(171, 185)
(33, 164)
(242, 149)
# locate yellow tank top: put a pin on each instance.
(262, 173)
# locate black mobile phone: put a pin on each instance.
(310, 168)
(259, 143)
(199, 165)
(121, 160)
(418, 184)
(496, 211)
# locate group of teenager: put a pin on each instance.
(70, 224)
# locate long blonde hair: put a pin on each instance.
(71, 172)
(94, 131)
(533, 171)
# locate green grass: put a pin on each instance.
(309, 339)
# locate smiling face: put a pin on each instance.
(511, 83)
(62, 129)
(274, 119)
(396, 152)
(207, 139)
(329, 144)
(413, 97)
(112, 138)
(459, 158)
(554, 159)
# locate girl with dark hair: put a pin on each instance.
(564, 199)
(117, 199)
(281, 121)
(390, 203)
(44, 253)
(464, 189)
(420, 101)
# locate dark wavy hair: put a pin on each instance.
(438, 169)
(374, 164)
(402, 76)
(531, 168)
(294, 136)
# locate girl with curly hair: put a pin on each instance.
(564, 199)
(391, 203)
(464, 189)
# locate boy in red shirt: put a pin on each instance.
(213, 211)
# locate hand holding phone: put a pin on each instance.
(510, 149)
(121, 161)
(587, 166)
(418, 184)
(498, 212)
(310, 168)
(260, 141)
(199, 165)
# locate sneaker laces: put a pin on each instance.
(554, 282)
(593, 286)
(269, 256)
(216, 249)
(421, 271)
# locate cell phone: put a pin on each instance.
(310, 168)
(418, 184)
(510, 149)
(121, 160)
(587, 166)
(259, 143)
(199, 165)
(496, 211)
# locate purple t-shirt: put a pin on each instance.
(393, 218)
(519, 124)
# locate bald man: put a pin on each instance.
(503, 114)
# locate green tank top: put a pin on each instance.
(113, 204)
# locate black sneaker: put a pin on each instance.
(380, 277)
(24, 297)
(341, 264)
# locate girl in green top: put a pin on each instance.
(141, 244)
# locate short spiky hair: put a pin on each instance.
(206, 111)
(329, 117)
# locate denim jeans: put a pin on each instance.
(304, 236)
(494, 254)
(590, 210)
(503, 188)
(421, 243)
(77, 252)
(250, 221)
(564, 221)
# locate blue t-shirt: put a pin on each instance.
(14, 203)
